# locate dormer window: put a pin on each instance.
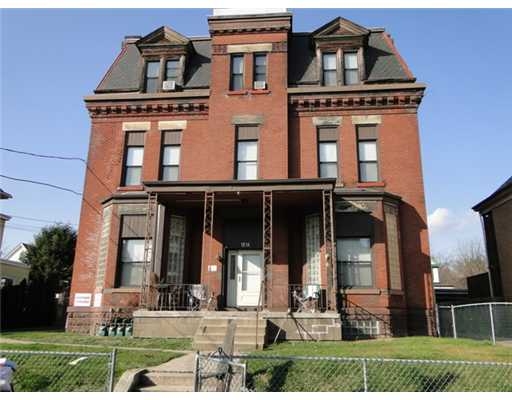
(350, 68)
(152, 76)
(172, 68)
(329, 69)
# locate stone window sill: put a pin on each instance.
(361, 291)
(134, 188)
(122, 290)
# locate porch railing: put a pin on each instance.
(307, 298)
(180, 297)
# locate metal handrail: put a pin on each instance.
(258, 311)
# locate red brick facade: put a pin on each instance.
(287, 151)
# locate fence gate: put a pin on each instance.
(218, 372)
(487, 321)
(54, 371)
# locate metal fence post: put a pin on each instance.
(493, 333)
(112, 368)
(365, 376)
(196, 373)
(454, 326)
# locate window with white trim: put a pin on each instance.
(354, 259)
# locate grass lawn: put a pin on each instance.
(59, 337)
(325, 375)
(404, 348)
(54, 373)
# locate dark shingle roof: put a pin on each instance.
(507, 186)
(125, 74)
(382, 64)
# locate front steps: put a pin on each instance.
(212, 330)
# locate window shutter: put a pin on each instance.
(135, 139)
(172, 137)
(367, 132)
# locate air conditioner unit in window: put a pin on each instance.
(169, 85)
(260, 85)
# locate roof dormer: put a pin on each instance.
(165, 53)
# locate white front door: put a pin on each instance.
(244, 278)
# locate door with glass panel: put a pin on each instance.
(244, 278)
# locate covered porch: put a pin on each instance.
(239, 246)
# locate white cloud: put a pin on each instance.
(448, 228)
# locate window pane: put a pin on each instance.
(368, 172)
(237, 82)
(247, 151)
(329, 61)
(260, 60)
(131, 274)
(330, 78)
(357, 274)
(327, 152)
(132, 176)
(247, 170)
(153, 69)
(151, 85)
(354, 250)
(328, 170)
(350, 60)
(172, 69)
(170, 173)
(260, 77)
(171, 155)
(132, 250)
(134, 156)
(237, 65)
(368, 151)
(351, 77)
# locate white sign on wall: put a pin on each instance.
(212, 268)
(82, 300)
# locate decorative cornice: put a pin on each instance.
(336, 102)
(185, 108)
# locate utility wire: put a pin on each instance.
(42, 155)
(42, 184)
(36, 219)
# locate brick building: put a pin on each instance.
(256, 168)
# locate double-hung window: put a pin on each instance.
(171, 70)
(327, 152)
(329, 70)
(350, 68)
(247, 153)
(237, 72)
(134, 154)
(367, 153)
(354, 259)
(152, 76)
(131, 263)
(260, 70)
(171, 152)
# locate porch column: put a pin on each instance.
(267, 247)
(149, 251)
(206, 250)
(330, 255)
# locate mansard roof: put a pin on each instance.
(383, 63)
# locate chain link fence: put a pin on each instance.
(335, 374)
(488, 321)
(50, 371)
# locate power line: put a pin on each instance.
(37, 219)
(42, 184)
(27, 153)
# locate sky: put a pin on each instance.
(50, 59)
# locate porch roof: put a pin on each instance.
(258, 185)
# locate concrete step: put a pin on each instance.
(238, 348)
(165, 378)
(166, 388)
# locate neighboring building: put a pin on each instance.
(12, 270)
(256, 154)
(3, 218)
(496, 214)
(449, 288)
